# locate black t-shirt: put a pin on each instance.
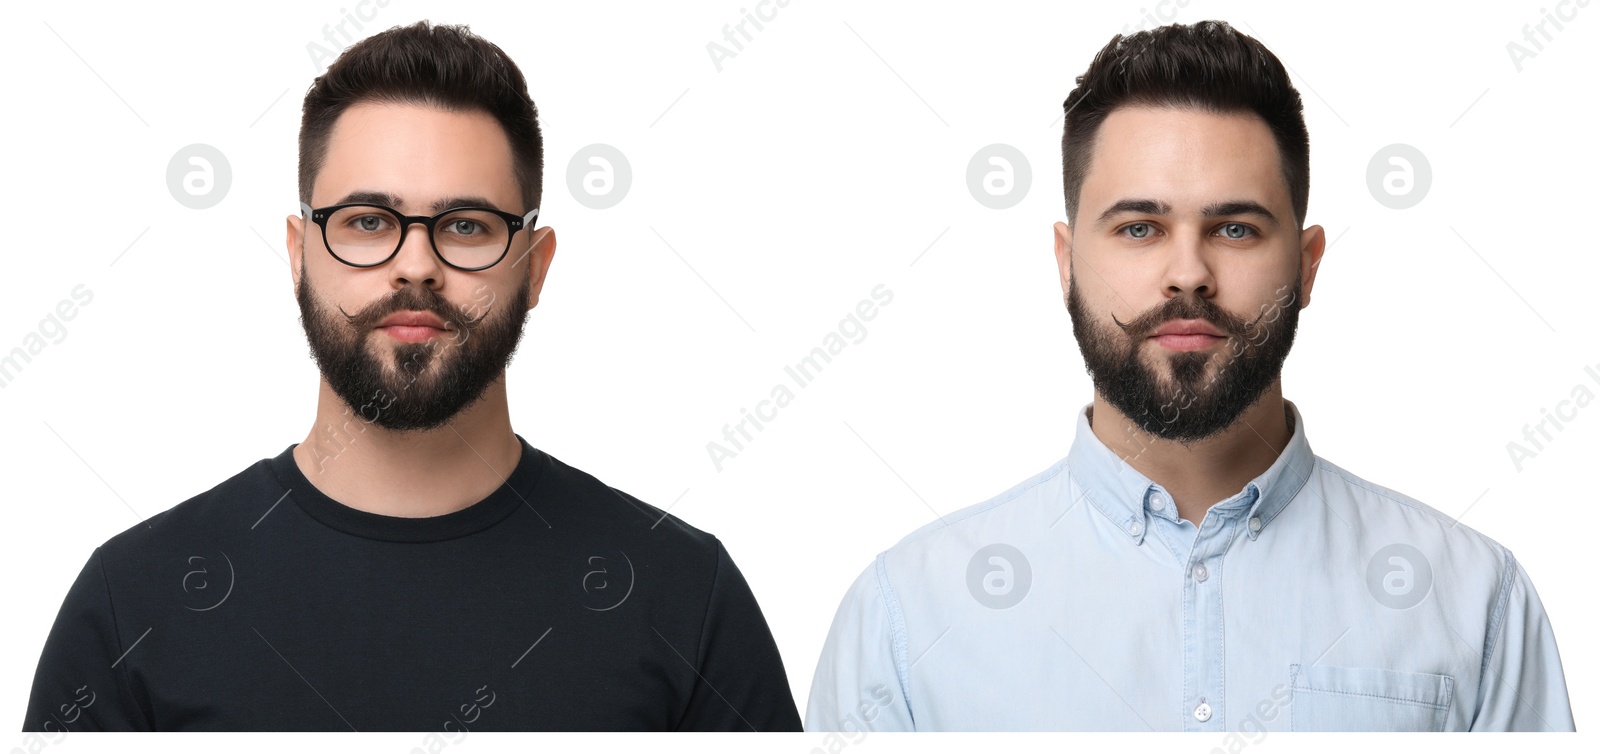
(556, 603)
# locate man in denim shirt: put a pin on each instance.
(1191, 564)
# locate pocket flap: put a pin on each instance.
(1428, 689)
(1325, 698)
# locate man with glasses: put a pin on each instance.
(413, 564)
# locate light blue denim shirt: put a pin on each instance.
(1079, 600)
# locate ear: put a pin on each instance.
(1313, 241)
(538, 255)
(1064, 255)
(294, 241)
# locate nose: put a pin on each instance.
(416, 261)
(1188, 271)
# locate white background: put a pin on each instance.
(819, 162)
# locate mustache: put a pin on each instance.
(410, 299)
(1188, 307)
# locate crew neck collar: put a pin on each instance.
(469, 520)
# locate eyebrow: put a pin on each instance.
(1133, 206)
(1216, 209)
(390, 200)
(1239, 207)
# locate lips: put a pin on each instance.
(1188, 327)
(1187, 335)
(413, 319)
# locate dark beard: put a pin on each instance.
(413, 394)
(1190, 406)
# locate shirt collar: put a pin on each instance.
(1122, 494)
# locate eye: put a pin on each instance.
(464, 227)
(1138, 230)
(1236, 231)
(368, 223)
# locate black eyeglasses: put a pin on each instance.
(466, 238)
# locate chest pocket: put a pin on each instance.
(1367, 699)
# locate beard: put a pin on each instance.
(1190, 395)
(411, 386)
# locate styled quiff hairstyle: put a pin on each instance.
(1207, 66)
(446, 67)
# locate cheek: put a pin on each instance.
(486, 298)
(1126, 292)
(489, 301)
(1252, 281)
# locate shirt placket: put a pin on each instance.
(1203, 660)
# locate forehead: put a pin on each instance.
(418, 153)
(1185, 157)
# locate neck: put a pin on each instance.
(410, 474)
(1200, 474)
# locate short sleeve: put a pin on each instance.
(81, 683)
(859, 685)
(1522, 686)
(742, 685)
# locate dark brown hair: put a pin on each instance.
(1207, 66)
(446, 67)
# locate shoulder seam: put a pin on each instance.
(897, 632)
(700, 637)
(105, 582)
(116, 631)
(1497, 621)
(711, 594)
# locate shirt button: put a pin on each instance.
(1255, 524)
(1200, 573)
(1202, 712)
(1157, 502)
(1135, 528)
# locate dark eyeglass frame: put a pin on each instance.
(515, 223)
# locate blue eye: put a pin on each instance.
(1236, 231)
(1138, 230)
(369, 223)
